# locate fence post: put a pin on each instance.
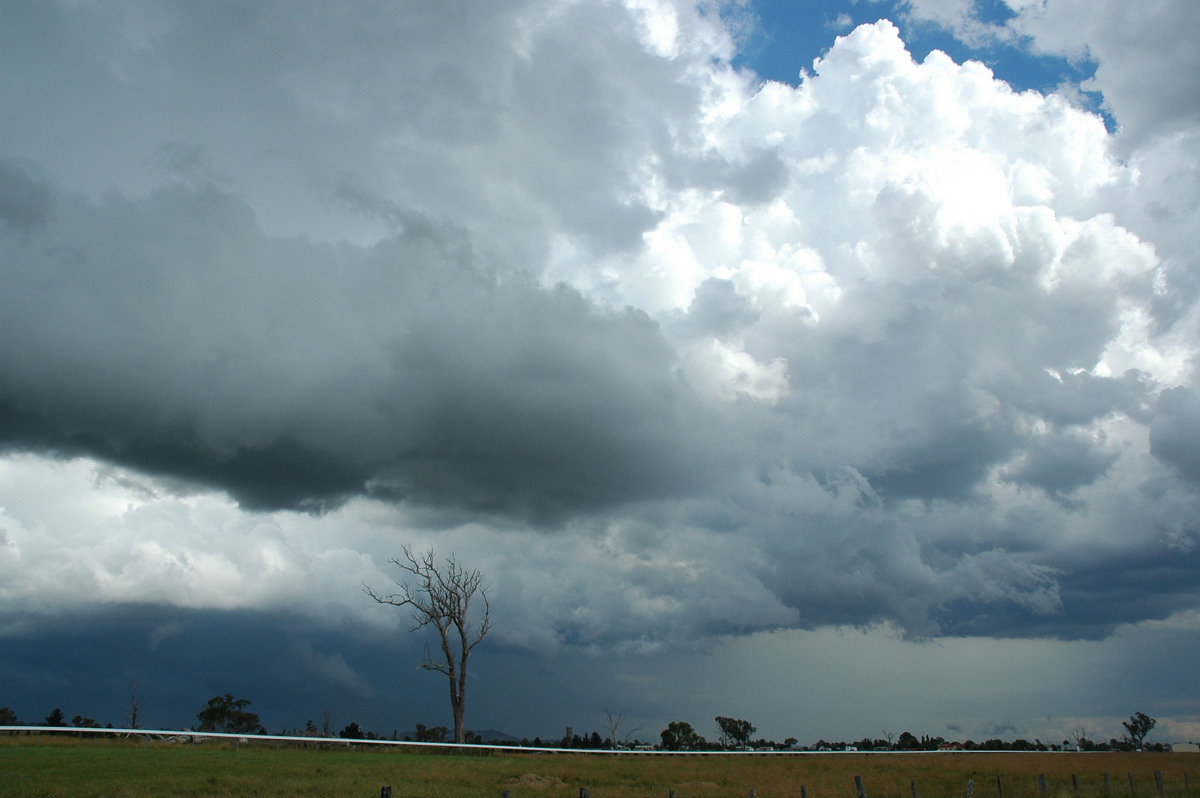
(803, 791)
(753, 793)
(670, 794)
(1108, 784)
(970, 788)
(385, 791)
(999, 786)
(912, 786)
(584, 792)
(858, 785)
(507, 793)
(1042, 784)
(1074, 784)
(1158, 782)
(1132, 789)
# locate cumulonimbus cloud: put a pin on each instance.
(882, 347)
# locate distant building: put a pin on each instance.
(1185, 748)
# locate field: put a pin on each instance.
(82, 768)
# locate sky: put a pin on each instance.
(830, 365)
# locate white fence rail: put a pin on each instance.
(183, 736)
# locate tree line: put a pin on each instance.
(230, 715)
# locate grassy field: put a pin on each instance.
(82, 768)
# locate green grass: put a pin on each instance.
(83, 768)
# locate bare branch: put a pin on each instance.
(440, 595)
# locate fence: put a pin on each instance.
(987, 788)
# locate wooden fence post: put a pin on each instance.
(753, 793)
(584, 792)
(970, 788)
(386, 791)
(1042, 784)
(1158, 782)
(1075, 784)
(1132, 789)
(858, 785)
(803, 791)
(670, 794)
(999, 786)
(1108, 784)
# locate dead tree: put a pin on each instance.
(613, 727)
(440, 596)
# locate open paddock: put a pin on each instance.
(109, 765)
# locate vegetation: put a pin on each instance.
(442, 599)
(36, 765)
(1138, 727)
(224, 713)
(735, 732)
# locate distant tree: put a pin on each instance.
(352, 732)
(907, 742)
(734, 731)
(8, 717)
(680, 736)
(437, 734)
(442, 598)
(56, 718)
(326, 723)
(613, 724)
(1137, 727)
(790, 742)
(80, 722)
(224, 713)
(133, 716)
(310, 729)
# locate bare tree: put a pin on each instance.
(441, 597)
(613, 727)
(133, 716)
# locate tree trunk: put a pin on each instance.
(460, 734)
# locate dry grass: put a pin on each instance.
(79, 768)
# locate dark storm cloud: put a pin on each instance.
(1061, 464)
(24, 200)
(1175, 432)
(176, 338)
(176, 659)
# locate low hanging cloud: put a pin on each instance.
(673, 353)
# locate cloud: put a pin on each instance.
(1115, 35)
(182, 340)
(672, 353)
(1173, 434)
